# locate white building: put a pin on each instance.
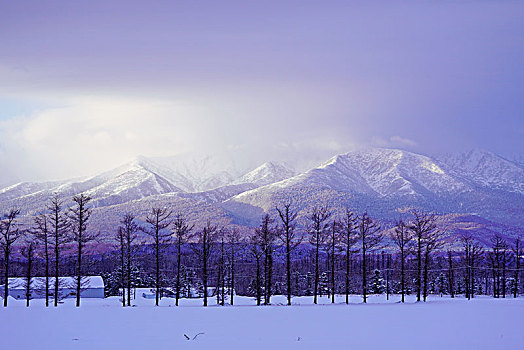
(92, 287)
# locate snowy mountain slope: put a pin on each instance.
(194, 173)
(128, 182)
(27, 188)
(380, 181)
(383, 180)
(485, 169)
(267, 173)
(373, 172)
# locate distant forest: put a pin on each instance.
(338, 252)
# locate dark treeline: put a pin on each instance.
(330, 252)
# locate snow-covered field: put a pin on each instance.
(441, 323)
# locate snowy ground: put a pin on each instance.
(441, 323)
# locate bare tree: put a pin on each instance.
(289, 238)
(205, 238)
(495, 261)
(59, 226)
(158, 221)
(369, 236)
(421, 226)
(28, 252)
(518, 250)
(451, 275)
(219, 290)
(42, 236)
(432, 242)
(332, 245)
(318, 226)
(129, 230)
(472, 253)
(121, 239)
(79, 215)
(402, 238)
(257, 251)
(233, 240)
(9, 234)
(267, 236)
(349, 238)
(181, 232)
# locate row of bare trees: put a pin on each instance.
(330, 232)
(51, 231)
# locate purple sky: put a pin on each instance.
(273, 79)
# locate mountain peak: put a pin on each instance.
(267, 173)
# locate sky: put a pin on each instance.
(87, 86)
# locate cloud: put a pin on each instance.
(91, 134)
(402, 141)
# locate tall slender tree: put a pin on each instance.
(233, 240)
(267, 236)
(181, 232)
(289, 238)
(349, 238)
(333, 242)
(219, 291)
(421, 226)
(41, 233)
(59, 226)
(130, 234)
(28, 252)
(472, 253)
(205, 238)
(121, 239)
(9, 234)
(370, 236)
(518, 251)
(451, 274)
(432, 242)
(158, 222)
(257, 251)
(402, 238)
(495, 258)
(79, 215)
(319, 227)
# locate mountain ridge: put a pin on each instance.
(379, 180)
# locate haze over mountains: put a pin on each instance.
(477, 190)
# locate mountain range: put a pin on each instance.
(476, 191)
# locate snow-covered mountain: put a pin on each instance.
(486, 169)
(378, 180)
(384, 180)
(202, 178)
(267, 173)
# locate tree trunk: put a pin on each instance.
(232, 285)
(288, 271)
(402, 274)
(347, 274)
(46, 272)
(426, 263)
(451, 281)
(388, 263)
(79, 271)
(157, 268)
(6, 274)
(364, 273)
(257, 282)
(504, 275)
(316, 270)
(128, 270)
(178, 263)
(419, 267)
(57, 254)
